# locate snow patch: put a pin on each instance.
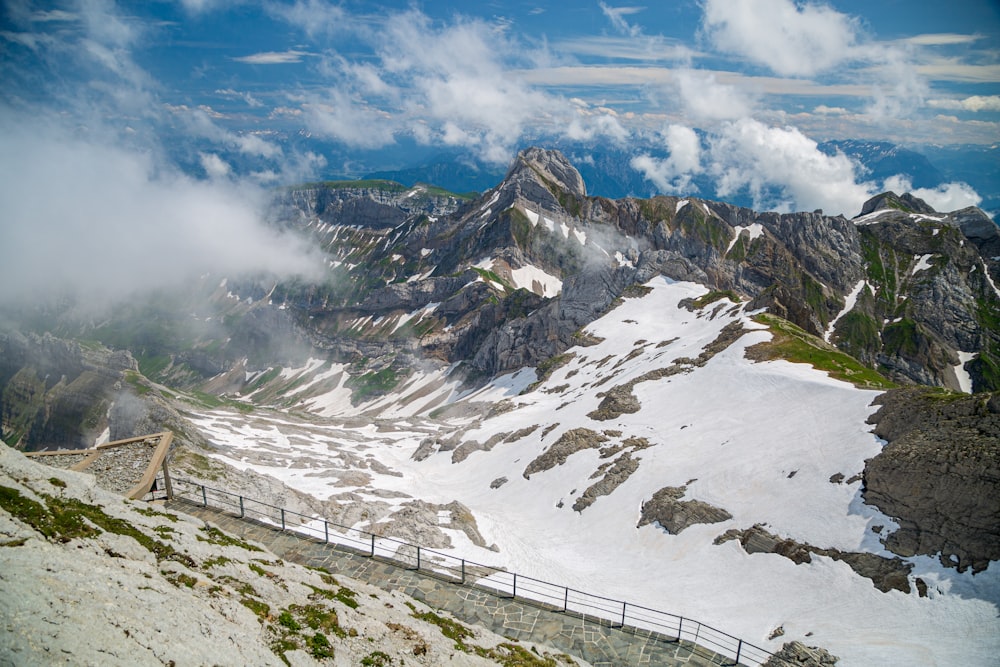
(489, 204)
(986, 272)
(755, 230)
(849, 302)
(872, 217)
(536, 280)
(964, 379)
(623, 260)
(923, 263)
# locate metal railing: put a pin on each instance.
(612, 613)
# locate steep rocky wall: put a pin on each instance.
(939, 475)
(55, 394)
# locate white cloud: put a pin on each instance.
(783, 169)
(345, 118)
(705, 99)
(617, 17)
(830, 111)
(899, 89)
(201, 123)
(589, 126)
(251, 101)
(974, 103)
(314, 17)
(205, 6)
(673, 174)
(214, 165)
(272, 58)
(454, 82)
(122, 223)
(942, 39)
(946, 197)
(789, 38)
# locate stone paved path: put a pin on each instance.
(599, 644)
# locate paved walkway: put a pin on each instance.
(600, 645)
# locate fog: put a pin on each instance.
(101, 223)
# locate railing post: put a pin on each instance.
(680, 628)
(418, 559)
(373, 545)
(624, 604)
(514, 596)
(242, 511)
(739, 649)
(326, 532)
(166, 481)
(463, 571)
(204, 496)
(282, 519)
(566, 600)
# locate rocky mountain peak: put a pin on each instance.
(549, 166)
(904, 202)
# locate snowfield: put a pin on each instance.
(759, 440)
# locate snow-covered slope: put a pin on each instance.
(557, 479)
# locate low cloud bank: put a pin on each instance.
(780, 168)
(100, 223)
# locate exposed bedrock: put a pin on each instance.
(939, 474)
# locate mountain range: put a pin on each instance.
(784, 424)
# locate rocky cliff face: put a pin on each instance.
(939, 475)
(55, 394)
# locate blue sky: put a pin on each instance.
(485, 75)
(197, 104)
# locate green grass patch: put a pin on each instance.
(490, 276)
(261, 609)
(901, 338)
(216, 536)
(153, 365)
(370, 184)
(179, 579)
(793, 344)
(376, 659)
(264, 378)
(286, 620)
(319, 646)
(150, 512)
(451, 629)
(713, 296)
(216, 562)
(212, 401)
(64, 519)
(317, 617)
(137, 382)
(373, 383)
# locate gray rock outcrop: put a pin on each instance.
(674, 515)
(797, 654)
(939, 475)
(885, 573)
